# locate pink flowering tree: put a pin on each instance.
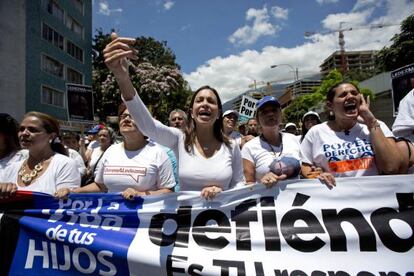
(154, 74)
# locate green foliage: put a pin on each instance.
(316, 100)
(401, 52)
(155, 74)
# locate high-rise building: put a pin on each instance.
(354, 60)
(45, 45)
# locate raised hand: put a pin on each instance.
(116, 54)
(365, 115)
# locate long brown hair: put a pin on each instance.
(190, 131)
(51, 125)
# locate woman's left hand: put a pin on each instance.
(271, 179)
(210, 192)
(365, 114)
(131, 193)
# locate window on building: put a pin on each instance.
(78, 5)
(52, 97)
(74, 76)
(52, 66)
(53, 8)
(74, 51)
(52, 36)
(74, 26)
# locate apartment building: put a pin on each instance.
(45, 45)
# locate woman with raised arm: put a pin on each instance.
(207, 160)
(135, 167)
(47, 168)
(344, 147)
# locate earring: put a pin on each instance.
(331, 114)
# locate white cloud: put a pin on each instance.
(362, 4)
(185, 27)
(231, 75)
(105, 10)
(261, 26)
(279, 12)
(333, 21)
(168, 4)
(321, 2)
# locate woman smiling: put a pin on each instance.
(207, 160)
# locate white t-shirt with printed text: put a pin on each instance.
(342, 154)
(146, 169)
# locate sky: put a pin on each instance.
(229, 44)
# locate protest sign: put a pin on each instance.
(247, 108)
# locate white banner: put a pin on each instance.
(364, 226)
(303, 228)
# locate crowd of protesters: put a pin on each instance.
(201, 149)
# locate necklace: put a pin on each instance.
(27, 177)
(203, 147)
(271, 147)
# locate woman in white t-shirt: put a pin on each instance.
(343, 147)
(273, 155)
(207, 160)
(136, 167)
(47, 168)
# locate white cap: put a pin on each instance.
(311, 113)
(289, 125)
(228, 112)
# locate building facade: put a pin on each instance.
(354, 60)
(47, 44)
(298, 88)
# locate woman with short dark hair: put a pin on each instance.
(135, 167)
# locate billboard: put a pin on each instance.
(80, 102)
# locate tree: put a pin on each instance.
(155, 74)
(316, 99)
(401, 52)
(360, 75)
